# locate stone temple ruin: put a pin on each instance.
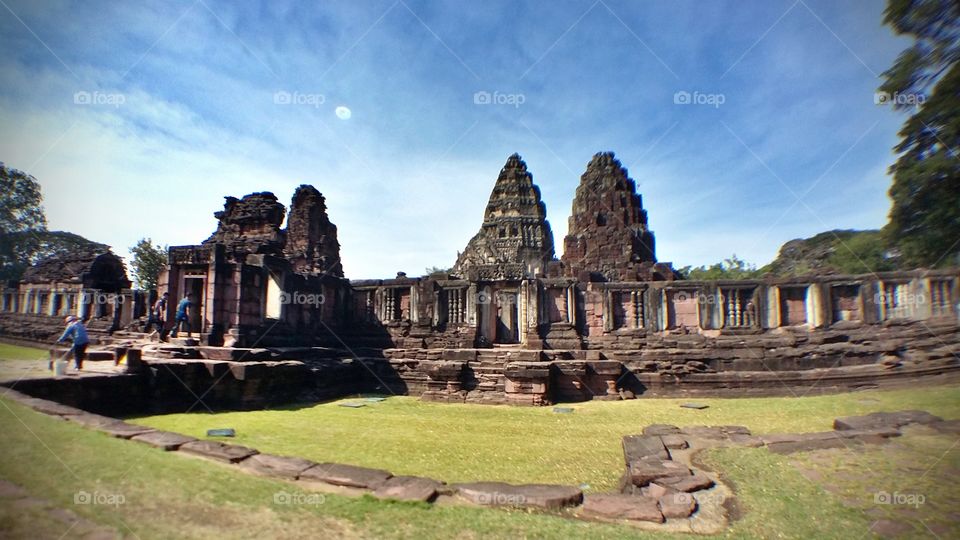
(275, 317)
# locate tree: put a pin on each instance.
(732, 268)
(924, 222)
(148, 261)
(21, 221)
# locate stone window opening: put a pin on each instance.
(739, 308)
(601, 219)
(940, 302)
(627, 309)
(845, 302)
(452, 306)
(793, 306)
(896, 301)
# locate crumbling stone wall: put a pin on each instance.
(311, 239)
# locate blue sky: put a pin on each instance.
(188, 103)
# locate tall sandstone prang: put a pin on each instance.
(311, 243)
(515, 240)
(250, 224)
(608, 238)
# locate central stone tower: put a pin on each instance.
(608, 238)
(515, 240)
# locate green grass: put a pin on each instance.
(457, 443)
(169, 495)
(16, 352)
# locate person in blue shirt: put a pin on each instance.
(76, 333)
(183, 315)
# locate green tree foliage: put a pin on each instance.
(21, 219)
(148, 261)
(24, 238)
(732, 268)
(925, 218)
(834, 252)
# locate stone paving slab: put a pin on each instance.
(123, 430)
(547, 496)
(615, 506)
(227, 453)
(693, 482)
(346, 475)
(642, 472)
(885, 420)
(409, 488)
(637, 447)
(279, 466)
(674, 442)
(165, 440)
(91, 420)
(677, 505)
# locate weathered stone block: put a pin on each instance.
(527, 495)
(408, 488)
(279, 466)
(165, 440)
(227, 453)
(346, 475)
(617, 506)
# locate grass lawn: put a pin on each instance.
(167, 495)
(457, 443)
(16, 352)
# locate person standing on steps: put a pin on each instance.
(183, 315)
(157, 316)
(76, 332)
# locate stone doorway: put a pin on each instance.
(195, 286)
(507, 317)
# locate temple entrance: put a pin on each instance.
(195, 286)
(507, 315)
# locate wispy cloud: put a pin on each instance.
(408, 175)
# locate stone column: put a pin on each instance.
(773, 318)
(817, 298)
(922, 296)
